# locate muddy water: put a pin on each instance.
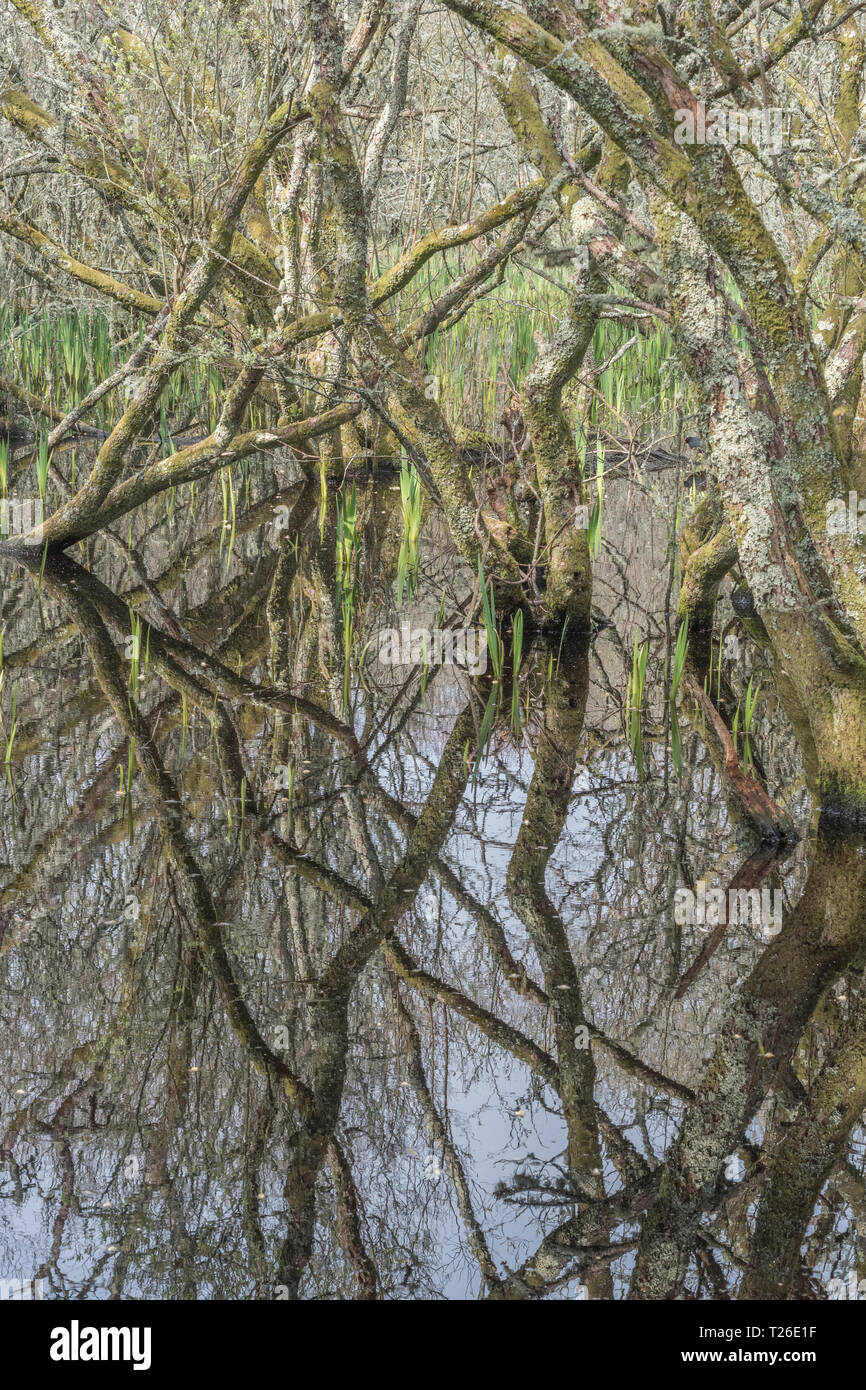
(397, 999)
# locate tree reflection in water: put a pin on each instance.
(392, 1002)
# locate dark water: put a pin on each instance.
(411, 1016)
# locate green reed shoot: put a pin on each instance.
(225, 525)
(133, 647)
(323, 498)
(594, 527)
(634, 702)
(680, 653)
(487, 722)
(233, 522)
(348, 611)
(748, 716)
(13, 723)
(347, 533)
(488, 612)
(130, 773)
(43, 463)
(410, 503)
(516, 661)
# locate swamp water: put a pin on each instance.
(375, 979)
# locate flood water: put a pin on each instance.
(405, 996)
